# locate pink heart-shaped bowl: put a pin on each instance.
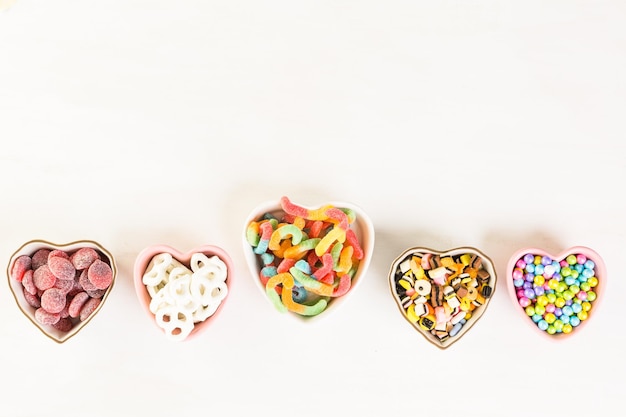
(442, 294)
(332, 244)
(182, 293)
(556, 294)
(32, 285)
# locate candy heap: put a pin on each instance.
(63, 288)
(182, 296)
(308, 256)
(440, 294)
(556, 295)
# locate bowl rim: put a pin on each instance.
(368, 238)
(453, 251)
(75, 244)
(600, 289)
(142, 260)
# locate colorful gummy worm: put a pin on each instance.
(440, 293)
(308, 256)
(557, 296)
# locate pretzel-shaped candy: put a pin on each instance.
(159, 268)
(181, 296)
(176, 323)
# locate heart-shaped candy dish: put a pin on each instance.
(306, 261)
(61, 287)
(557, 294)
(442, 294)
(182, 293)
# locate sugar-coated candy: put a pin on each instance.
(77, 303)
(315, 254)
(28, 282)
(39, 258)
(88, 308)
(84, 257)
(44, 278)
(32, 299)
(61, 268)
(100, 274)
(20, 266)
(53, 300)
(45, 317)
(64, 324)
(57, 287)
(58, 252)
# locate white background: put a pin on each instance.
(493, 124)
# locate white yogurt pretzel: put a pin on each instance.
(182, 297)
(200, 262)
(176, 323)
(159, 269)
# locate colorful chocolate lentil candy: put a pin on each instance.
(557, 293)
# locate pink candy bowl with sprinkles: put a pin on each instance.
(557, 295)
(311, 298)
(182, 293)
(17, 288)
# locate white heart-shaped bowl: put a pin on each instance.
(406, 298)
(28, 249)
(143, 261)
(598, 289)
(363, 230)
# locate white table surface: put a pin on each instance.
(493, 124)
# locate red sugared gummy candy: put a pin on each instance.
(77, 303)
(53, 300)
(89, 307)
(28, 282)
(20, 266)
(84, 257)
(61, 268)
(45, 317)
(44, 278)
(40, 258)
(64, 324)
(100, 275)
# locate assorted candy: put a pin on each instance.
(440, 294)
(64, 288)
(181, 297)
(556, 295)
(306, 257)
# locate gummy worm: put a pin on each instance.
(303, 266)
(266, 234)
(298, 251)
(252, 234)
(350, 213)
(335, 252)
(316, 228)
(327, 266)
(290, 208)
(345, 260)
(299, 211)
(285, 244)
(337, 234)
(286, 297)
(283, 232)
(354, 242)
(319, 288)
(285, 264)
(339, 216)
